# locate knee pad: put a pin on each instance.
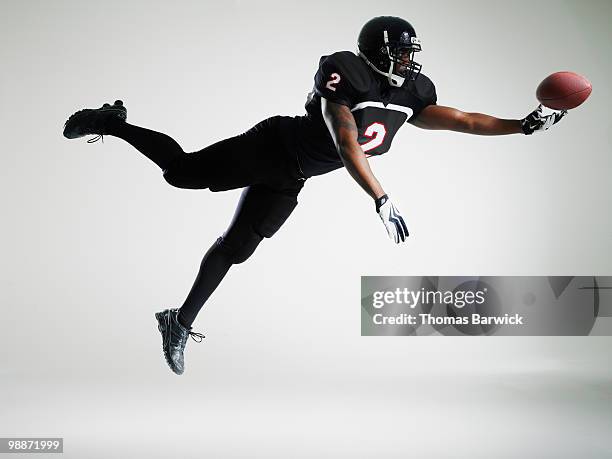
(180, 174)
(273, 210)
(172, 173)
(172, 178)
(237, 252)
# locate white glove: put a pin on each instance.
(541, 119)
(393, 221)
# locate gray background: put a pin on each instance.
(94, 241)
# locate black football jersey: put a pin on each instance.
(379, 110)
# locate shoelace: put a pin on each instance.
(195, 334)
(96, 138)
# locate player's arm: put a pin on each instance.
(342, 127)
(451, 119)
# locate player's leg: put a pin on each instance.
(233, 163)
(228, 164)
(261, 211)
(158, 147)
(254, 156)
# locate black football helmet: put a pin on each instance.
(381, 44)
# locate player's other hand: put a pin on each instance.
(541, 119)
(393, 221)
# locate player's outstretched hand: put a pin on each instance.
(541, 119)
(393, 221)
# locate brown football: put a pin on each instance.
(563, 90)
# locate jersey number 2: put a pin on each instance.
(377, 133)
(335, 79)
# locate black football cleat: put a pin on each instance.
(174, 338)
(94, 121)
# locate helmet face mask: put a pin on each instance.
(387, 45)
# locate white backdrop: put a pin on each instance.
(95, 241)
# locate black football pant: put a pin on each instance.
(255, 161)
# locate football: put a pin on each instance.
(563, 90)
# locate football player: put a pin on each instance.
(358, 103)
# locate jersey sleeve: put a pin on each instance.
(425, 93)
(335, 80)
